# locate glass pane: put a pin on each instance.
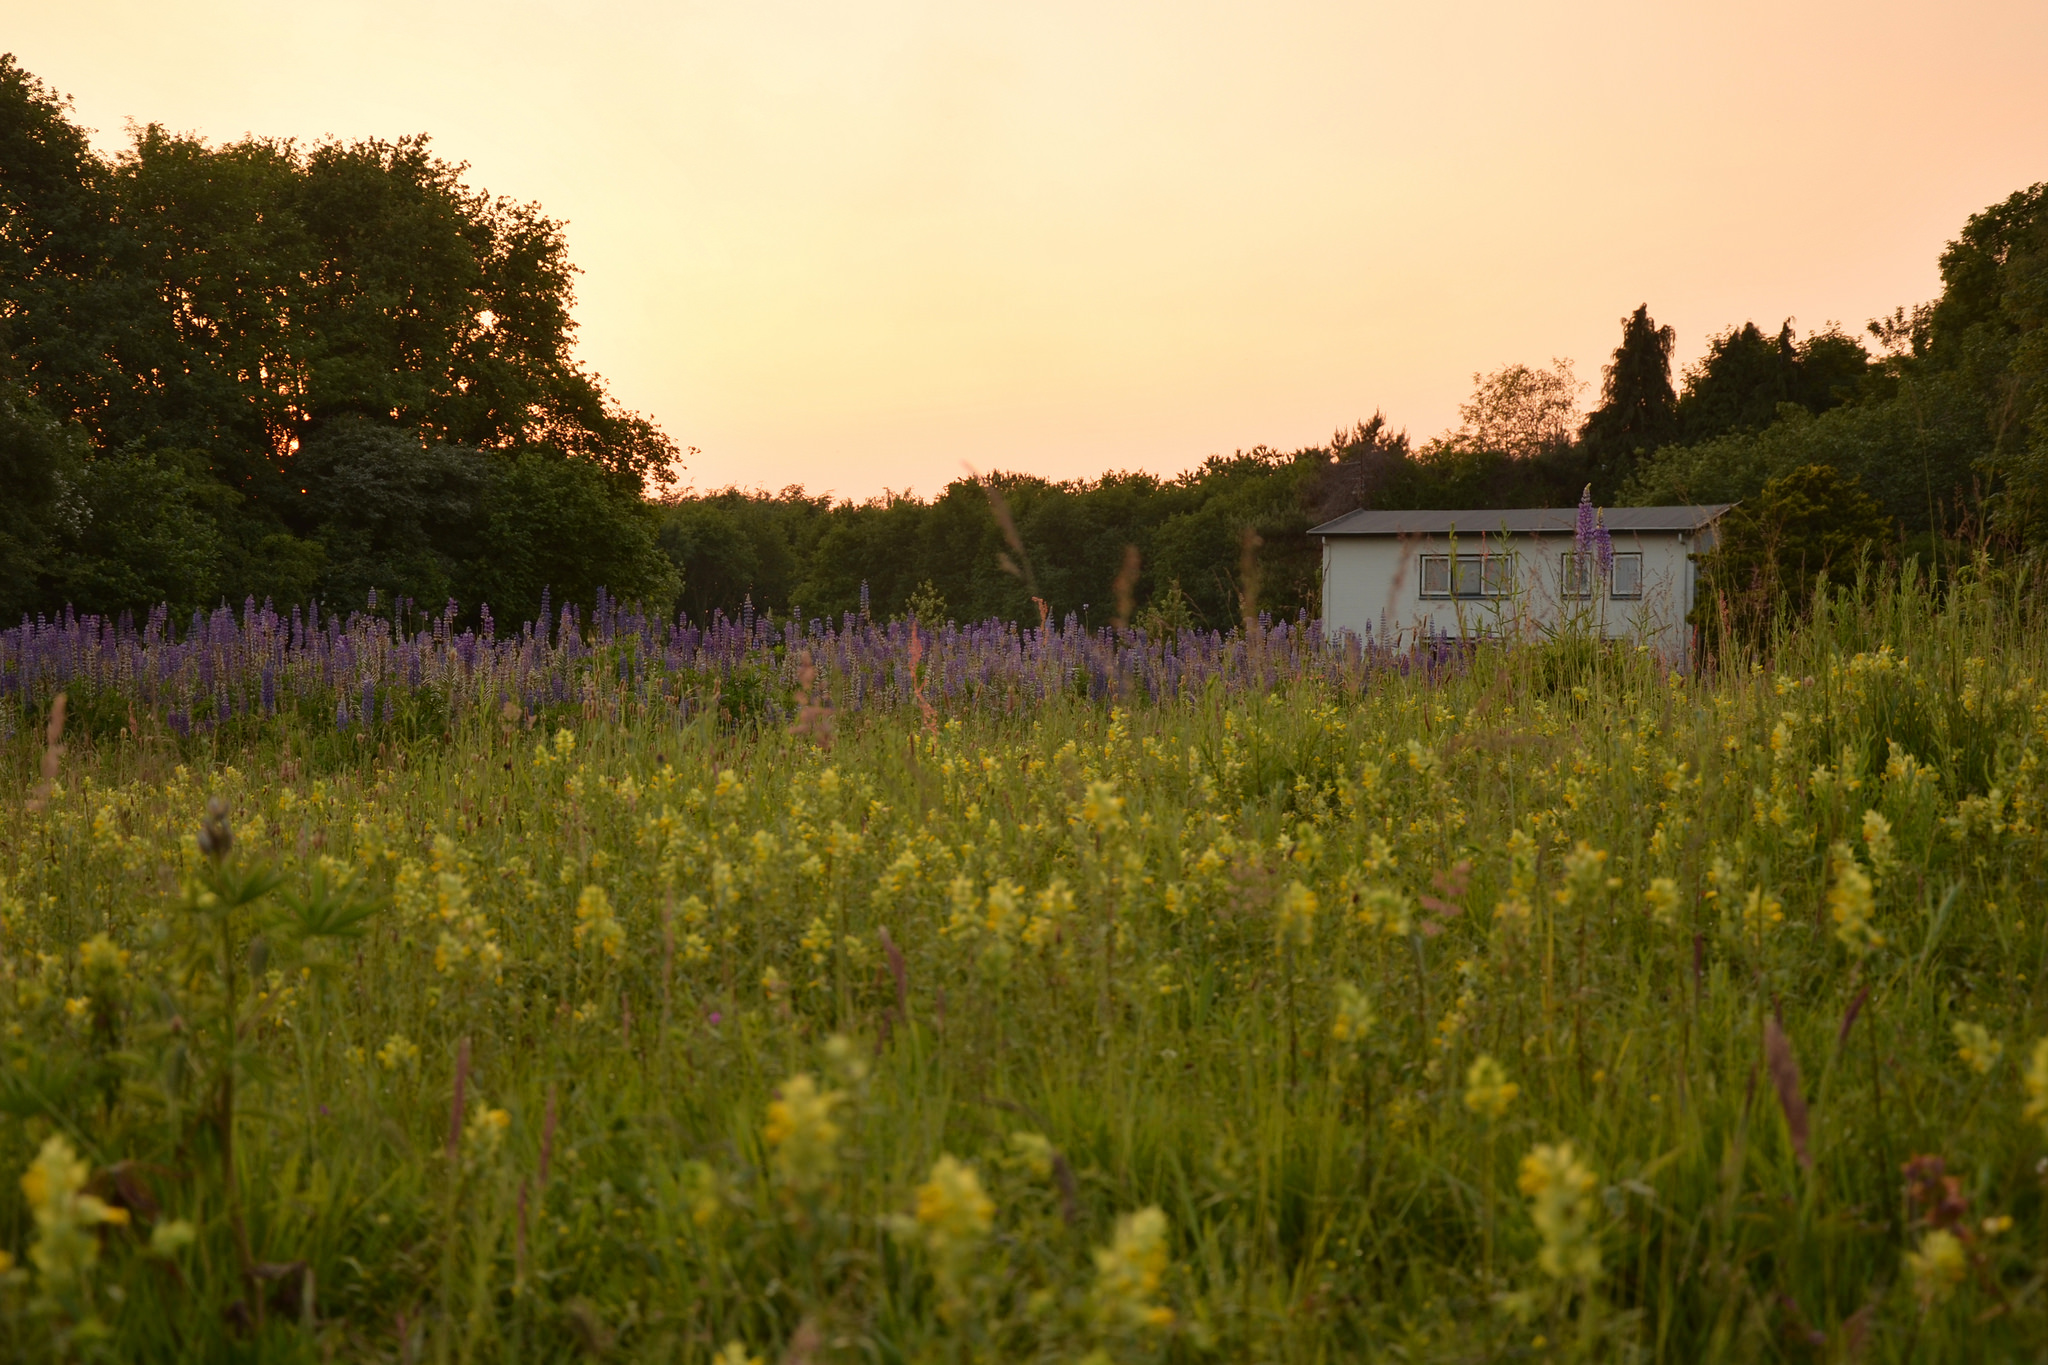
(1436, 576)
(1628, 575)
(1500, 575)
(1466, 582)
(1575, 571)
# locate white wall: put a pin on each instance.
(1373, 585)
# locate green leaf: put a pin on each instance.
(330, 911)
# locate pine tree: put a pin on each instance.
(1638, 410)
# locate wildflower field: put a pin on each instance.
(377, 991)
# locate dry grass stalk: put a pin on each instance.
(1785, 1076)
(813, 720)
(1126, 586)
(53, 755)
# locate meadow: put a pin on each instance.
(375, 990)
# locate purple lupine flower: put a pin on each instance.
(1603, 546)
(1588, 521)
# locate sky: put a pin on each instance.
(858, 247)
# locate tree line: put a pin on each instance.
(272, 370)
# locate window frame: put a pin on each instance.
(1496, 573)
(1614, 591)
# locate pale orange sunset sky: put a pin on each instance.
(852, 246)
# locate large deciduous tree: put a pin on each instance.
(260, 326)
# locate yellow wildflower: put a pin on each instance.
(1352, 1019)
(1585, 870)
(1035, 1152)
(398, 1051)
(1937, 1267)
(1296, 918)
(596, 923)
(1560, 1190)
(170, 1236)
(2035, 1080)
(1386, 908)
(1850, 902)
(1102, 807)
(1488, 1091)
(485, 1129)
(735, 1353)
(1128, 1271)
(1761, 911)
(1877, 837)
(66, 1247)
(1976, 1048)
(1663, 899)
(802, 1135)
(817, 940)
(101, 961)
(702, 1193)
(952, 1208)
(1049, 908)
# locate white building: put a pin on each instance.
(1395, 576)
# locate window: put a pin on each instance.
(1470, 576)
(1579, 573)
(1575, 571)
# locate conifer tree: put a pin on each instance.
(1638, 410)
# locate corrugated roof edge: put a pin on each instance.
(1518, 520)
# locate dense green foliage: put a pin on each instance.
(290, 372)
(1549, 1007)
(1774, 548)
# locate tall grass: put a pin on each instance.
(662, 1024)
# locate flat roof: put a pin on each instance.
(1520, 521)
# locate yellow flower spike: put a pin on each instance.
(952, 1208)
(1102, 807)
(1130, 1270)
(1937, 1267)
(1560, 1190)
(1877, 838)
(1851, 903)
(1295, 919)
(171, 1236)
(595, 922)
(1352, 1019)
(2034, 1080)
(801, 1135)
(1976, 1048)
(485, 1129)
(1663, 899)
(1488, 1091)
(735, 1353)
(398, 1051)
(101, 960)
(1035, 1151)
(65, 1247)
